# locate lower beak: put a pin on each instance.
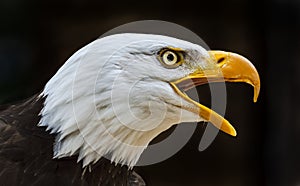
(230, 67)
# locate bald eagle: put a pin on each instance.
(110, 99)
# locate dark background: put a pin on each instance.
(36, 38)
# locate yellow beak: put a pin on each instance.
(230, 67)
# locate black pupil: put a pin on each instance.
(170, 57)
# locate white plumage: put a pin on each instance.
(112, 97)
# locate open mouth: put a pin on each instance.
(233, 68)
(188, 84)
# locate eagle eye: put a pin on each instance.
(170, 58)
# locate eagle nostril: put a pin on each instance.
(221, 60)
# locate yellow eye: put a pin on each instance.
(170, 58)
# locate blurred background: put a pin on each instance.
(37, 37)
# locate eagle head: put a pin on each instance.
(116, 94)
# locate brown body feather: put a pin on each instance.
(26, 152)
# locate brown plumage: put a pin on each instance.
(26, 152)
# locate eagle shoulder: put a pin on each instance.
(26, 154)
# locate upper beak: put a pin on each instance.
(231, 67)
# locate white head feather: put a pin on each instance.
(112, 97)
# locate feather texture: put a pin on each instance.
(112, 97)
(26, 155)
